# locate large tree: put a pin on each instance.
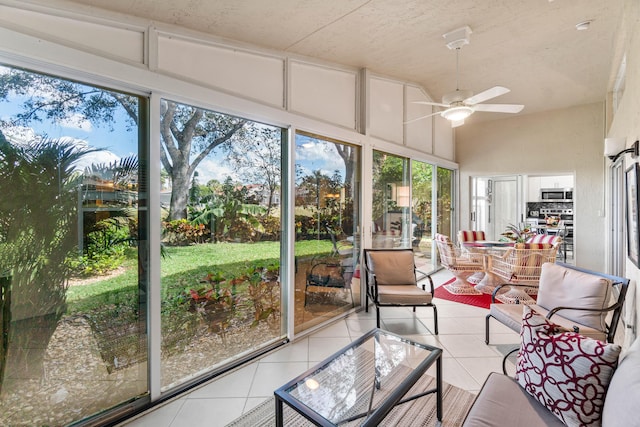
(349, 155)
(188, 134)
(258, 158)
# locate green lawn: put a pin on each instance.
(183, 267)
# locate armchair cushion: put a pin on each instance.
(533, 245)
(502, 402)
(470, 236)
(624, 391)
(511, 316)
(566, 372)
(561, 287)
(544, 238)
(394, 270)
(403, 295)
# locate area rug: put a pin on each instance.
(459, 287)
(418, 413)
(482, 300)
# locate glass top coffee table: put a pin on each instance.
(363, 382)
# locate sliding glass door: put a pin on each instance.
(391, 198)
(422, 215)
(327, 223)
(221, 179)
(73, 249)
(445, 196)
(410, 199)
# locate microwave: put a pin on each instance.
(556, 194)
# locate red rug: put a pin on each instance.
(482, 301)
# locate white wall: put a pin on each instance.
(141, 52)
(626, 121)
(553, 142)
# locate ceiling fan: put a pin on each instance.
(460, 104)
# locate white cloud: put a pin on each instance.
(25, 136)
(319, 155)
(210, 169)
(76, 121)
(20, 134)
(97, 157)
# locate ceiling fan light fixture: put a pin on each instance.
(455, 114)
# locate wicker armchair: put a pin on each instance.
(466, 237)
(522, 265)
(461, 265)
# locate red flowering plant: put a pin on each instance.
(214, 302)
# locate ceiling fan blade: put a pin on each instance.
(420, 118)
(486, 95)
(456, 123)
(499, 108)
(439, 104)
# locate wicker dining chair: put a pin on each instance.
(461, 265)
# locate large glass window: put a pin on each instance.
(422, 214)
(72, 249)
(327, 217)
(445, 201)
(392, 225)
(403, 205)
(221, 223)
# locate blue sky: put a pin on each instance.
(117, 142)
(314, 154)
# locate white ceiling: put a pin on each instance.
(529, 46)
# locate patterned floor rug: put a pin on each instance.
(418, 413)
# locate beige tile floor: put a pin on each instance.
(467, 360)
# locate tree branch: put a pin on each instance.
(204, 153)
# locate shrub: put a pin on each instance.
(271, 225)
(182, 232)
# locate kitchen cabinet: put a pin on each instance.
(561, 181)
(533, 189)
(535, 183)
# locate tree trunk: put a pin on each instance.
(180, 182)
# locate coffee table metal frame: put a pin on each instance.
(377, 414)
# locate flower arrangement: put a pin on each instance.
(518, 233)
(552, 220)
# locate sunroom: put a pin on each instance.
(188, 187)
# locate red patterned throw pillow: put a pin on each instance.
(566, 372)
